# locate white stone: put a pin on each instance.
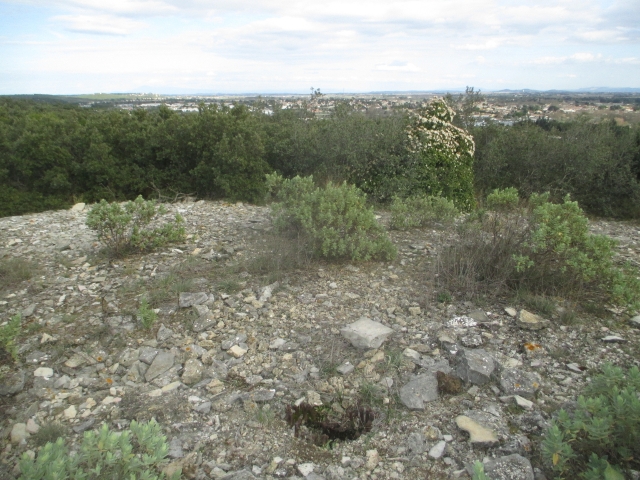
(410, 353)
(438, 449)
(70, 412)
(44, 372)
(366, 333)
(373, 458)
(19, 433)
(478, 434)
(305, 468)
(523, 402)
(78, 207)
(512, 312)
(32, 426)
(236, 351)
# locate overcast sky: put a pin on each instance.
(268, 46)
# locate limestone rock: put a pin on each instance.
(530, 321)
(19, 433)
(193, 369)
(518, 382)
(475, 366)
(162, 362)
(366, 333)
(190, 299)
(421, 389)
(510, 467)
(478, 434)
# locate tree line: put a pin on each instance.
(52, 155)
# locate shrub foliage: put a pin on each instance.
(543, 247)
(421, 210)
(136, 453)
(123, 227)
(601, 437)
(334, 220)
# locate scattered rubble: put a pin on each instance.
(429, 387)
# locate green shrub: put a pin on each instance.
(478, 471)
(545, 248)
(601, 438)
(103, 454)
(8, 334)
(503, 200)
(146, 314)
(122, 227)
(419, 211)
(334, 220)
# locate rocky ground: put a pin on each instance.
(241, 340)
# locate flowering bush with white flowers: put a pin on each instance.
(443, 154)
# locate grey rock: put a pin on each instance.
(366, 333)
(193, 370)
(479, 316)
(261, 395)
(277, 343)
(175, 448)
(416, 443)
(475, 366)
(147, 354)
(635, 321)
(36, 357)
(471, 341)
(201, 310)
(161, 363)
(217, 369)
(422, 388)
(164, 334)
(128, 357)
(27, 312)
(12, 383)
(238, 475)
(518, 382)
(438, 449)
(510, 467)
(205, 322)
(84, 425)
(203, 407)
(345, 369)
(190, 299)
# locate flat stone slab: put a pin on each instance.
(518, 382)
(204, 322)
(475, 366)
(478, 434)
(190, 299)
(162, 362)
(366, 333)
(420, 390)
(530, 321)
(510, 467)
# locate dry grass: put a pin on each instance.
(15, 270)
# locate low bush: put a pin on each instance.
(124, 227)
(103, 454)
(601, 437)
(334, 220)
(8, 334)
(422, 210)
(503, 200)
(543, 248)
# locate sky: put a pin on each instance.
(289, 46)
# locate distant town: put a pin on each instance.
(502, 107)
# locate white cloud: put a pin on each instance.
(581, 57)
(98, 24)
(397, 66)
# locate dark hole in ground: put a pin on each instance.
(324, 425)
